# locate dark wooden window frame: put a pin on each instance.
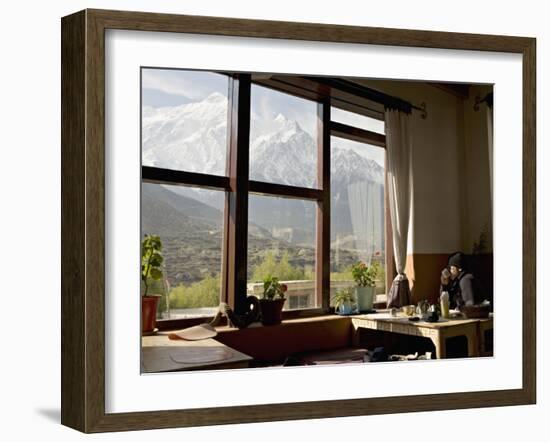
(238, 186)
(372, 138)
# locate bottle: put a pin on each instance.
(444, 302)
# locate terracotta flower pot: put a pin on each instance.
(272, 311)
(149, 305)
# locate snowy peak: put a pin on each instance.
(283, 155)
(289, 127)
(216, 97)
(280, 118)
(193, 137)
(352, 167)
(188, 137)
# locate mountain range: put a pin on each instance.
(192, 137)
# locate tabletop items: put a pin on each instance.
(478, 310)
(422, 311)
(444, 301)
(441, 310)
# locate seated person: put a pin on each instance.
(459, 283)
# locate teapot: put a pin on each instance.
(433, 314)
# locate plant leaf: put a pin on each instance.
(156, 274)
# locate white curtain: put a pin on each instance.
(366, 203)
(399, 152)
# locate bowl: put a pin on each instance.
(476, 311)
(409, 310)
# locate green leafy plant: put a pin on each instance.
(343, 296)
(151, 260)
(364, 275)
(273, 288)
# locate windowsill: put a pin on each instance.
(285, 322)
(289, 316)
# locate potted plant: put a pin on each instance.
(343, 301)
(363, 276)
(151, 269)
(271, 305)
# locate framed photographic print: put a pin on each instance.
(268, 221)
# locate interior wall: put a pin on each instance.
(477, 184)
(451, 190)
(436, 207)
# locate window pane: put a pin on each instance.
(189, 222)
(283, 134)
(357, 211)
(184, 120)
(357, 120)
(281, 243)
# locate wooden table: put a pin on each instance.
(438, 332)
(160, 354)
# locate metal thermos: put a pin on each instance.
(444, 303)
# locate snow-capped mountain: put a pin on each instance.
(192, 137)
(347, 167)
(283, 154)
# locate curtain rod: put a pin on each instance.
(387, 100)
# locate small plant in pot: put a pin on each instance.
(343, 301)
(364, 276)
(271, 305)
(151, 270)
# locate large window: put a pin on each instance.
(358, 198)
(184, 131)
(184, 120)
(283, 138)
(357, 210)
(282, 243)
(282, 230)
(190, 224)
(243, 181)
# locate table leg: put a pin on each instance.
(440, 346)
(355, 336)
(473, 346)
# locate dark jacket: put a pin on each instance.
(462, 290)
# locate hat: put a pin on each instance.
(458, 260)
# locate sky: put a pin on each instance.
(174, 87)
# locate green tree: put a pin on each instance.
(286, 271)
(266, 268)
(204, 293)
(281, 268)
(344, 275)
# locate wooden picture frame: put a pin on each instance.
(83, 220)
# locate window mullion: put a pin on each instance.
(356, 134)
(236, 225)
(322, 263)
